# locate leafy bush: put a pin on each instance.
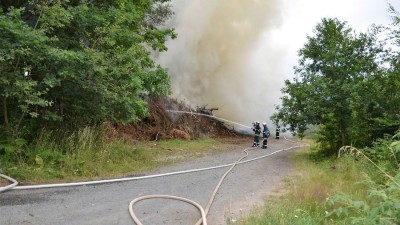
(382, 203)
(71, 64)
(386, 152)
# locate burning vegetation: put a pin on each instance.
(161, 124)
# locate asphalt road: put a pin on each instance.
(107, 204)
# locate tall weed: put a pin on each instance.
(93, 153)
(63, 155)
(307, 190)
(382, 202)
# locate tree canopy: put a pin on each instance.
(347, 84)
(76, 62)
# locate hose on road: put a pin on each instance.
(137, 221)
(10, 186)
(14, 184)
(204, 212)
(41, 186)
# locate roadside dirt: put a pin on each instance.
(3, 182)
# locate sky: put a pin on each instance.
(236, 54)
(300, 17)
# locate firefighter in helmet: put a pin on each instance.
(266, 135)
(257, 132)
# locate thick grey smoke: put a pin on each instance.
(225, 57)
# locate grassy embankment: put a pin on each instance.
(307, 189)
(89, 154)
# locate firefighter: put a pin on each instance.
(266, 135)
(257, 132)
(277, 132)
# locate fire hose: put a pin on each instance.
(204, 212)
(12, 185)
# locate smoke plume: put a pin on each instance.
(225, 57)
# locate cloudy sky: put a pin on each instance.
(236, 54)
(299, 17)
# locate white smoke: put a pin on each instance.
(225, 57)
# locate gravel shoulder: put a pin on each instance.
(244, 188)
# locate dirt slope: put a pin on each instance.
(162, 125)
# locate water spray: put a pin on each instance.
(203, 212)
(211, 116)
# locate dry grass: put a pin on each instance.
(179, 134)
(307, 189)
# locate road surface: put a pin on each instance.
(107, 204)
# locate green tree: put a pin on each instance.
(335, 71)
(21, 48)
(77, 63)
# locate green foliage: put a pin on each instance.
(305, 192)
(344, 87)
(283, 212)
(87, 152)
(386, 152)
(364, 195)
(75, 63)
(20, 95)
(92, 152)
(382, 203)
(13, 147)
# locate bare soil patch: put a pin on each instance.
(3, 182)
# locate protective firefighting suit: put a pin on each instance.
(257, 132)
(266, 135)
